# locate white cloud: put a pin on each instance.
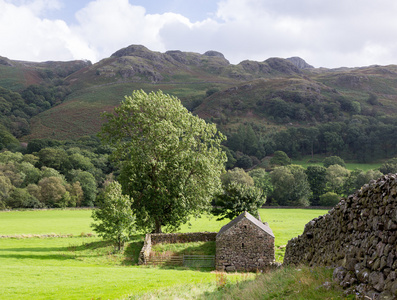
(325, 33)
(26, 36)
(108, 25)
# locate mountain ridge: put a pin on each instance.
(207, 84)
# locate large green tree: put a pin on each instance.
(316, 176)
(170, 161)
(236, 175)
(290, 185)
(236, 199)
(336, 177)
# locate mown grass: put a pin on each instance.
(83, 267)
(45, 221)
(286, 223)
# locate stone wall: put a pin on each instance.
(172, 238)
(244, 247)
(358, 237)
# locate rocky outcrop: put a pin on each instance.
(358, 237)
(5, 61)
(220, 57)
(138, 51)
(300, 63)
(352, 81)
(283, 66)
(255, 67)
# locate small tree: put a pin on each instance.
(236, 199)
(389, 166)
(333, 160)
(280, 158)
(114, 217)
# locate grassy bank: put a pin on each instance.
(286, 283)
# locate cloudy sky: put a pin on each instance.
(326, 33)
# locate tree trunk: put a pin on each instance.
(158, 226)
(120, 244)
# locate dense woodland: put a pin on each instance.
(52, 173)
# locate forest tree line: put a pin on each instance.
(72, 173)
(54, 174)
(360, 139)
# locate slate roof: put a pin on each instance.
(249, 217)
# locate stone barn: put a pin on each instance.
(244, 244)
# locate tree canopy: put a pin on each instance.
(236, 199)
(170, 161)
(290, 186)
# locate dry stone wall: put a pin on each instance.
(172, 238)
(358, 237)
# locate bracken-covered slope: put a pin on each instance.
(189, 76)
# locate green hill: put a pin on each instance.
(271, 96)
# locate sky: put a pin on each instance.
(325, 33)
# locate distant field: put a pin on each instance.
(45, 221)
(87, 268)
(351, 166)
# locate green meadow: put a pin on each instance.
(307, 161)
(82, 266)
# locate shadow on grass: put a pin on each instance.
(40, 257)
(207, 248)
(89, 246)
(131, 253)
(198, 248)
(78, 251)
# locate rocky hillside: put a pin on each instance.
(275, 93)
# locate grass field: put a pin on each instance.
(349, 165)
(83, 267)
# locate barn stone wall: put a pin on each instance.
(244, 247)
(358, 237)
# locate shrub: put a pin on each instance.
(280, 158)
(389, 166)
(333, 160)
(20, 198)
(329, 199)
